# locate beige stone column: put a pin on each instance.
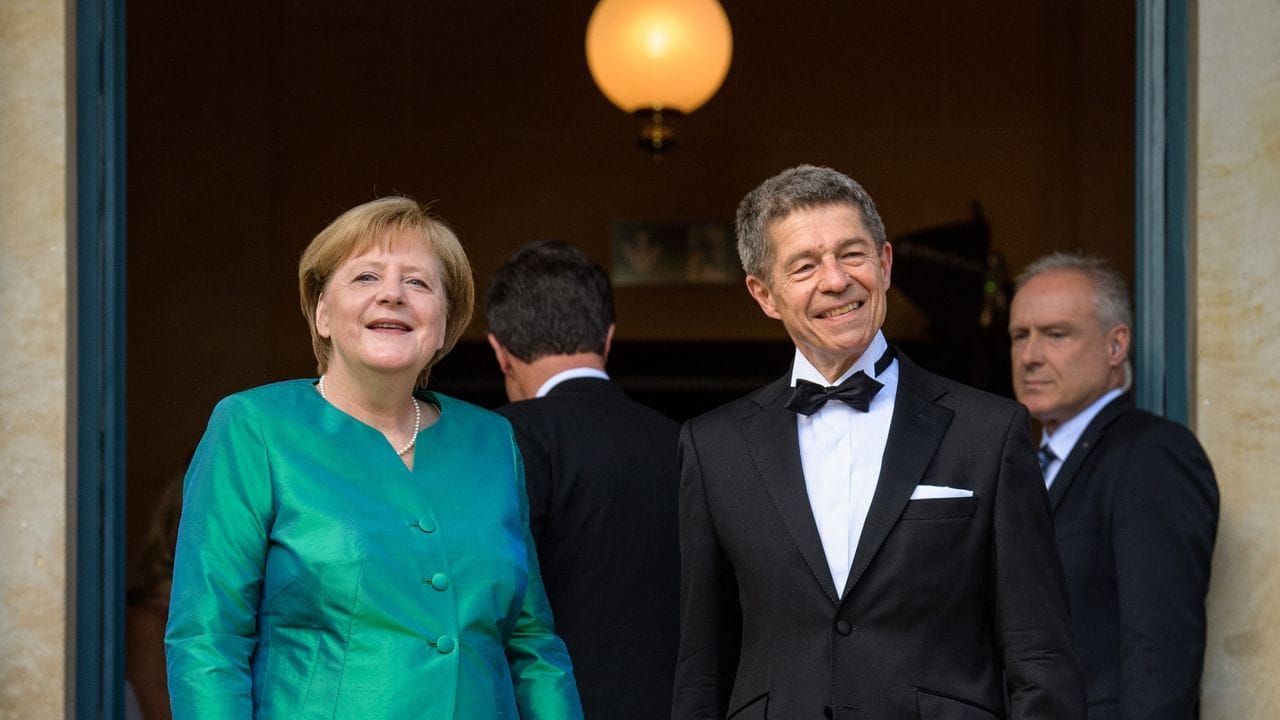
(1237, 271)
(33, 358)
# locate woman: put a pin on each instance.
(357, 546)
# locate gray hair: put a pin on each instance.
(1111, 302)
(799, 188)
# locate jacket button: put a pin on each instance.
(439, 581)
(444, 644)
(426, 525)
(843, 627)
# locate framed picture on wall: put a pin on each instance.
(664, 253)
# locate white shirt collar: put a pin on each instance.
(1068, 433)
(570, 374)
(802, 369)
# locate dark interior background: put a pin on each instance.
(252, 125)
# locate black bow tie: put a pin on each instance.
(857, 390)
(809, 397)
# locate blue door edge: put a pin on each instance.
(1163, 201)
(96, 277)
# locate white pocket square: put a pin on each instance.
(933, 492)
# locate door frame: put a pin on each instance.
(1163, 284)
(96, 568)
(96, 278)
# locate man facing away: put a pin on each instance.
(887, 554)
(602, 480)
(1133, 497)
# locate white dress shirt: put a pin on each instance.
(570, 374)
(1068, 434)
(841, 450)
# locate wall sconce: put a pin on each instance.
(659, 59)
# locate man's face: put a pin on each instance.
(1063, 359)
(826, 283)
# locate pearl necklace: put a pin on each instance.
(417, 419)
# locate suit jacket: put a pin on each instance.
(317, 577)
(954, 607)
(1135, 511)
(602, 480)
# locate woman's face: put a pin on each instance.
(383, 309)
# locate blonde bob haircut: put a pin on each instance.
(358, 229)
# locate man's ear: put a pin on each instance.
(501, 354)
(1117, 345)
(759, 290)
(608, 340)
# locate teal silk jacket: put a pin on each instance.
(317, 577)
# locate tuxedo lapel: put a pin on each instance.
(775, 449)
(915, 432)
(1088, 440)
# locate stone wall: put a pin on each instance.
(33, 358)
(1237, 399)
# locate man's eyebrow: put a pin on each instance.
(797, 255)
(840, 245)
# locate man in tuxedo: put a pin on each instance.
(602, 480)
(1133, 497)
(887, 554)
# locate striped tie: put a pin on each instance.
(1046, 458)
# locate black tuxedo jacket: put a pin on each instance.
(954, 608)
(602, 481)
(1135, 511)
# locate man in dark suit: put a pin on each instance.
(1133, 497)
(884, 555)
(602, 480)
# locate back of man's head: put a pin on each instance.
(548, 298)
